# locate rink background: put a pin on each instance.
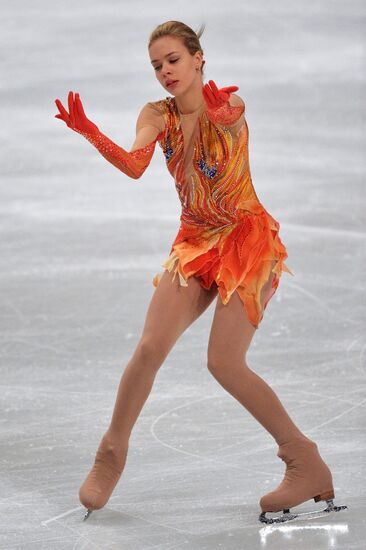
(81, 242)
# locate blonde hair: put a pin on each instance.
(189, 37)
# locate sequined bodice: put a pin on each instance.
(209, 163)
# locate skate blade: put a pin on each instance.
(87, 514)
(288, 516)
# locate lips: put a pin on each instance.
(171, 82)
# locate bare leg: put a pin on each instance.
(173, 308)
(307, 475)
(230, 337)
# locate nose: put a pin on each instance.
(165, 70)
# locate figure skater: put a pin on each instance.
(228, 246)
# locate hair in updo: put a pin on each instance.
(189, 37)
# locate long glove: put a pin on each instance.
(133, 164)
(219, 109)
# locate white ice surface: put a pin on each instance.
(80, 243)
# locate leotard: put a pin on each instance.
(226, 236)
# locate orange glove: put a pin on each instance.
(219, 109)
(132, 164)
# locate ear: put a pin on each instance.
(199, 56)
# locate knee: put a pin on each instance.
(214, 367)
(150, 353)
(218, 363)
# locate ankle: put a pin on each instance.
(115, 439)
(296, 439)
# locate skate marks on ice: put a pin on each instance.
(323, 305)
(55, 518)
(116, 516)
(337, 417)
(212, 460)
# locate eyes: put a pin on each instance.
(171, 61)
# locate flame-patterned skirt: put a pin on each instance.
(237, 257)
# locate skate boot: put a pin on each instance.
(98, 486)
(306, 477)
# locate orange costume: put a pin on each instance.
(226, 235)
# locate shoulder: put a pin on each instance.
(151, 114)
(235, 100)
(160, 106)
(155, 105)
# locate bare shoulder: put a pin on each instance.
(150, 123)
(151, 114)
(235, 100)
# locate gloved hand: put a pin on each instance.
(132, 164)
(76, 119)
(219, 109)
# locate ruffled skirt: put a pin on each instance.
(237, 257)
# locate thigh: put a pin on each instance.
(172, 309)
(231, 331)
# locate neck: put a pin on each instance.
(192, 99)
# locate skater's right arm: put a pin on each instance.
(133, 163)
(149, 125)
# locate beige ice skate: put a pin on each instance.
(306, 477)
(104, 475)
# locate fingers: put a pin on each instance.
(230, 89)
(79, 108)
(75, 109)
(70, 100)
(209, 97)
(61, 108)
(214, 88)
(222, 93)
(215, 97)
(76, 118)
(218, 96)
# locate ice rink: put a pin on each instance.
(81, 242)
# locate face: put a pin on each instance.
(172, 61)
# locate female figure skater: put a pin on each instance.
(227, 246)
